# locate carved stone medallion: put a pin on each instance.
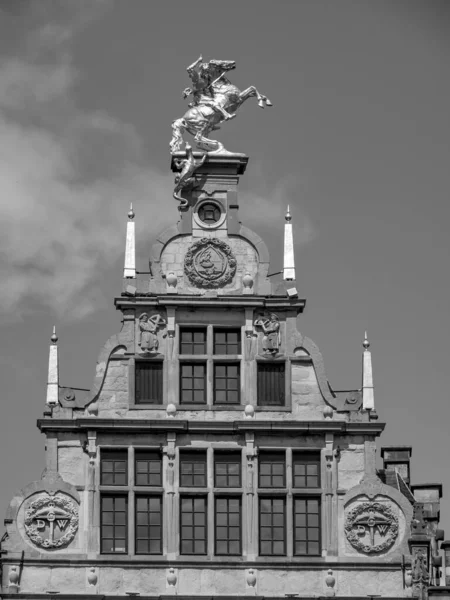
(371, 527)
(51, 521)
(209, 263)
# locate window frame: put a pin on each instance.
(272, 498)
(210, 359)
(148, 401)
(193, 496)
(296, 497)
(140, 452)
(309, 457)
(148, 497)
(103, 453)
(286, 400)
(204, 460)
(227, 497)
(219, 456)
(114, 496)
(268, 453)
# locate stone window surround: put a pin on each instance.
(211, 492)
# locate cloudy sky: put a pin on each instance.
(357, 143)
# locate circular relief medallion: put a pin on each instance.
(371, 527)
(209, 263)
(51, 521)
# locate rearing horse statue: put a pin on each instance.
(215, 99)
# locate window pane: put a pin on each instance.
(192, 341)
(306, 469)
(272, 469)
(114, 520)
(227, 341)
(228, 526)
(148, 468)
(271, 384)
(272, 527)
(148, 382)
(227, 468)
(148, 520)
(193, 377)
(113, 467)
(193, 539)
(226, 383)
(193, 469)
(307, 532)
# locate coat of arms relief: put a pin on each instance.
(210, 263)
(51, 520)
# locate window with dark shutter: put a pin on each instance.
(148, 382)
(271, 384)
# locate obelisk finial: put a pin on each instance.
(53, 371)
(129, 271)
(288, 263)
(367, 377)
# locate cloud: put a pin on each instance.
(266, 210)
(65, 185)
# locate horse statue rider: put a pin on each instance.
(215, 99)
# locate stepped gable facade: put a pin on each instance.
(212, 458)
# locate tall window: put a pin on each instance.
(115, 489)
(228, 525)
(307, 517)
(272, 526)
(148, 381)
(271, 384)
(306, 526)
(114, 524)
(193, 525)
(227, 508)
(210, 365)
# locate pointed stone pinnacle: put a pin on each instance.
(288, 215)
(54, 337)
(366, 344)
(131, 213)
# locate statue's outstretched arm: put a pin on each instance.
(191, 68)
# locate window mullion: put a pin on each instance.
(210, 530)
(289, 505)
(131, 502)
(209, 368)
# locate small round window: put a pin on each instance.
(209, 213)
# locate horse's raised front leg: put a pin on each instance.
(251, 91)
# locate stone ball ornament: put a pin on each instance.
(371, 527)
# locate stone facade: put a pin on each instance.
(209, 275)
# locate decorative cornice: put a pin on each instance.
(144, 425)
(270, 303)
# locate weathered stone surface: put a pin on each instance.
(364, 583)
(35, 579)
(71, 464)
(271, 582)
(68, 579)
